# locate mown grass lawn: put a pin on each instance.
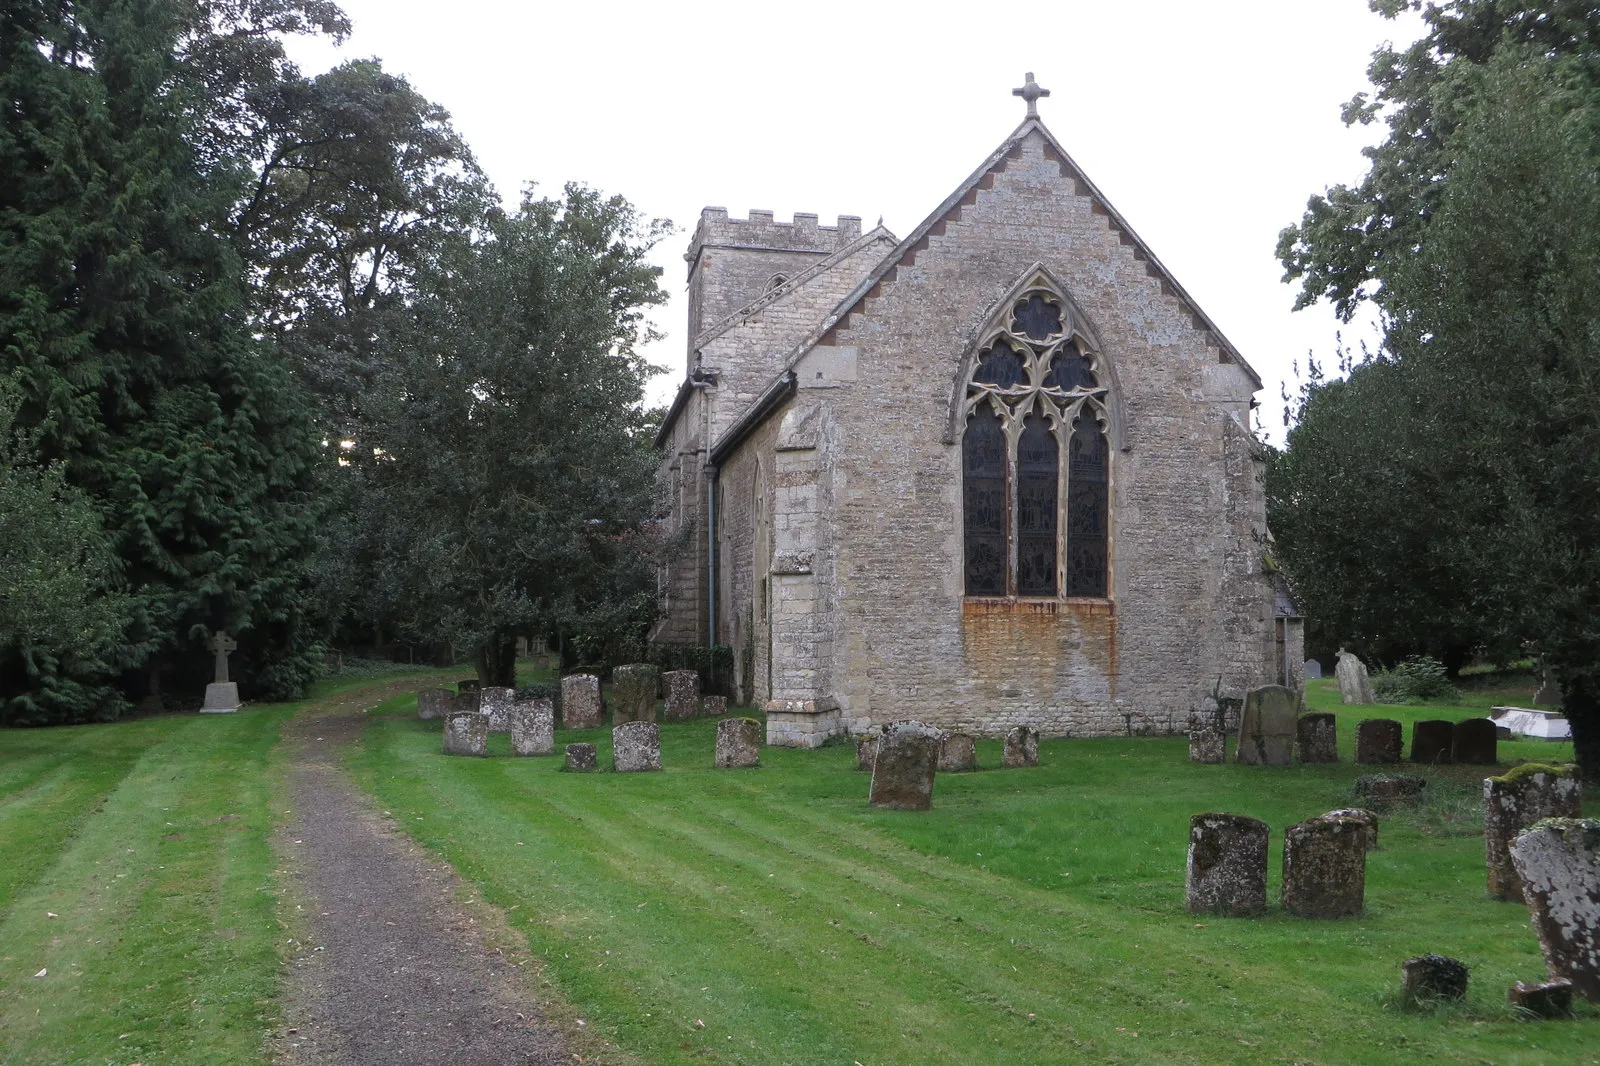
(1034, 916)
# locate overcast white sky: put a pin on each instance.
(1207, 123)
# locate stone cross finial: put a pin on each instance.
(222, 644)
(1031, 93)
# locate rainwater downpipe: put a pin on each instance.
(711, 518)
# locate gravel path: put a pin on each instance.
(394, 969)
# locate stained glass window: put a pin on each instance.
(1070, 369)
(1038, 318)
(1038, 468)
(983, 454)
(1088, 505)
(1001, 366)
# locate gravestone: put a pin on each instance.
(866, 752)
(580, 758)
(1379, 740)
(495, 702)
(1548, 693)
(580, 702)
(958, 753)
(1022, 747)
(902, 773)
(738, 743)
(1312, 670)
(1325, 868)
(434, 703)
(1208, 743)
(715, 706)
(636, 747)
(470, 684)
(1267, 726)
(222, 695)
(1431, 741)
(466, 733)
(1552, 999)
(1365, 817)
(1558, 862)
(1227, 870)
(1432, 979)
(1475, 742)
(1355, 687)
(633, 693)
(1514, 802)
(533, 727)
(1384, 790)
(467, 699)
(1317, 738)
(683, 694)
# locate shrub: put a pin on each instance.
(1415, 679)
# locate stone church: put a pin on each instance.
(997, 472)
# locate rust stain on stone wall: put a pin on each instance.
(1032, 644)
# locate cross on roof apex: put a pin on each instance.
(1031, 92)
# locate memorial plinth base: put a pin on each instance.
(222, 697)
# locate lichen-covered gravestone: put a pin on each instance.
(1558, 861)
(533, 727)
(866, 752)
(1227, 871)
(958, 753)
(1431, 979)
(434, 703)
(902, 774)
(1317, 738)
(1208, 742)
(1267, 726)
(468, 684)
(468, 698)
(715, 706)
(466, 733)
(495, 701)
(581, 758)
(1514, 802)
(1475, 742)
(738, 743)
(1379, 740)
(636, 747)
(1355, 687)
(1365, 817)
(1325, 868)
(1387, 790)
(1022, 747)
(580, 702)
(1431, 741)
(683, 694)
(633, 693)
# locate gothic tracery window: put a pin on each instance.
(1036, 525)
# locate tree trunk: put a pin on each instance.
(497, 662)
(1581, 704)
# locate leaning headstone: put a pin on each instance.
(1022, 747)
(1227, 864)
(1432, 979)
(434, 703)
(738, 743)
(1379, 740)
(1552, 999)
(1325, 868)
(715, 706)
(1514, 802)
(533, 727)
(495, 701)
(902, 773)
(1368, 820)
(222, 695)
(1355, 687)
(866, 752)
(1267, 726)
(466, 733)
(1431, 741)
(958, 753)
(683, 694)
(580, 702)
(1312, 670)
(580, 758)
(1317, 738)
(636, 747)
(1208, 743)
(633, 693)
(1475, 742)
(1558, 861)
(1384, 790)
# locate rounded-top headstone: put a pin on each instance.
(903, 772)
(738, 743)
(1516, 801)
(1021, 748)
(1267, 726)
(434, 703)
(714, 706)
(1325, 868)
(533, 727)
(1475, 742)
(636, 747)
(1317, 738)
(466, 733)
(1558, 861)
(1227, 869)
(581, 758)
(1359, 814)
(1431, 741)
(580, 702)
(1379, 740)
(683, 694)
(958, 753)
(633, 693)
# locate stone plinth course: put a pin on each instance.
(683, 694)
(633, 693)
(738, 743)
(580, 702)
(958, 753)
(434, 703)
(715, 706)
(533, 727)
(1516, 801)
(1431, 741)
(1267, 726)
(1475, 742)
(1433, 979)
(1208, 741)
(1355, 687)
(1227, 871)
(902, 773)
(1379, 740)
(802, 723)
(495, 701)
(1022, 747)
(466, 733)
(580, 758)
(1551, 999)
(636, 747)
(1325, 868)
(1317, 738)
(866, 752)
(1365, 817)
(1558, 861)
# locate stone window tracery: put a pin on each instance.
(1036, 396)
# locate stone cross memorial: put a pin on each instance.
(222, 695)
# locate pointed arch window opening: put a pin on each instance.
(1036, 457)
